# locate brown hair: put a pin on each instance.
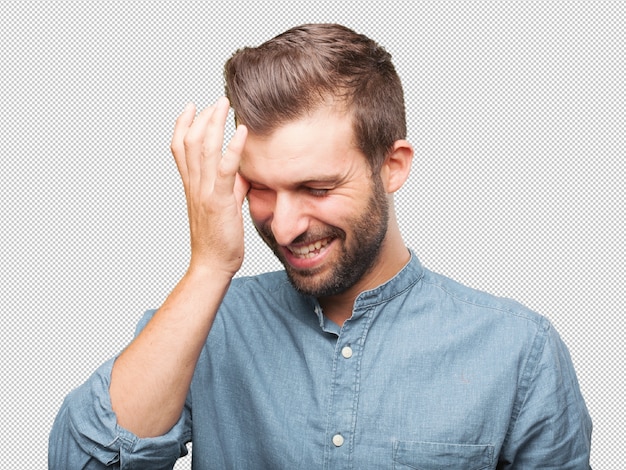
(292, 74)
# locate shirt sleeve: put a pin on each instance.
(86, 435)
(551, 427)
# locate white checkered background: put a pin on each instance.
(516, 112)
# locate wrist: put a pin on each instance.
(206, 273)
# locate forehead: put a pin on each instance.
(321, 143)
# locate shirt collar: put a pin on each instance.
(408, 276)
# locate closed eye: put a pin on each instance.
(318, 192)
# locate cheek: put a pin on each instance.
(335, 211)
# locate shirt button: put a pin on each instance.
(346, 352)
(338, 440)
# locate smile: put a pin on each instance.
(310, 250)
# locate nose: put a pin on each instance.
(289, 220)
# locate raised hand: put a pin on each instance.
(213, 188)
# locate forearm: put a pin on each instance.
(151, 378)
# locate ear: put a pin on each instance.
(396, 167)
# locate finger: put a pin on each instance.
(177, 145)
(241, 189)
(193, 145)
(229, 164)
(214, 136)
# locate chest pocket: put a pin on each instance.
(441, 456)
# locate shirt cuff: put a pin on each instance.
(87, 431)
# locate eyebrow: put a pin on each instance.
(316, 179)
(327, 179)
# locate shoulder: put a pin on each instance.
(465, 300)
(507, 331)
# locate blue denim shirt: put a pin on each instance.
(427, 374)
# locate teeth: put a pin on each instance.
(307, 251)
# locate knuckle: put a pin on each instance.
(224, 170)
(192, 138)
(188, 147)
(176, 148)
(221, 173)
(189, 139)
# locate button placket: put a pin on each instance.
(345, 390)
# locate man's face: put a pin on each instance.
(315, 202)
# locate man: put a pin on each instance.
(355, 356)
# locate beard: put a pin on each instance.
(359, 251)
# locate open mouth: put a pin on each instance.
(310, 250)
